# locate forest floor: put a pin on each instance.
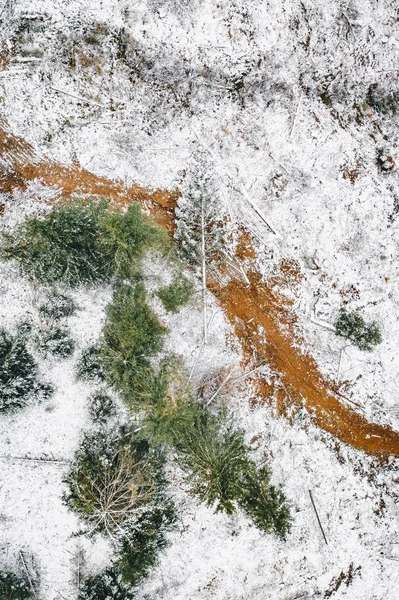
(288, 114)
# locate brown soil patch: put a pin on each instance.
(290, 271)
(258, 311)
(245, 248)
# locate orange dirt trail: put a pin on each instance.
(256, 309)
(259, 305)
(19, 165)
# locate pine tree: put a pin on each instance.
(216, 461)
(13, 587)
(82, 242)
(105, 586)
(199, 215)
(143, 538)
(64, 246)
(113, 475)
(18, 372)
(102, 407)
(353, 327)
(55, 340)
(57, 306)
(89, 366)
(176, 294)
(172, 410)
(265, 504)
(132, 335)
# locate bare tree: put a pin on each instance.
(200, 225)
(114, 493)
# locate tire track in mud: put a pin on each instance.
(256, 310)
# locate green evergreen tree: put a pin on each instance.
(127, 235)
(265, 504)
(89, 366)
(56, 341)
(216, 461)
(132, 335)
(105, 586)
(220, 472)
(13, 587)
(113, 475)
(353, 327)
(65, 246)
(176, 295)
(57, 306)
(172, 410)
(82, 242)
(102, 407)
(18, 372)
(143, 539)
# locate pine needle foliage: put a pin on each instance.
(127, 235)
(213, 455)
(221, 473)
(81, 242)
(132, 335)
(143, 539)
(89, 366)
(55, 341)
(117, 486)
(138, 544)
(13, 587)
(216, 461)
(265, 504)
(65, 246)
(113, 475)
(18, 372)
(102, 407)
(105, 586)
(176, 295)
(166, 420)
(57, 306)
(353, 327)
(172, 410)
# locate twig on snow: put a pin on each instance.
(324, 325)
(37, 460)
(249, 372)
(340, 363)
(181, 315)
(79, 97)
(203, 271)
(279, 163)
(27, 573)
(200, 348)
(221, 385)
(296, 114)
(257, 210)
(232, 262)
(318, 518)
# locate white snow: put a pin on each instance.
(290, 163)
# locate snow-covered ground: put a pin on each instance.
(276, 94)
